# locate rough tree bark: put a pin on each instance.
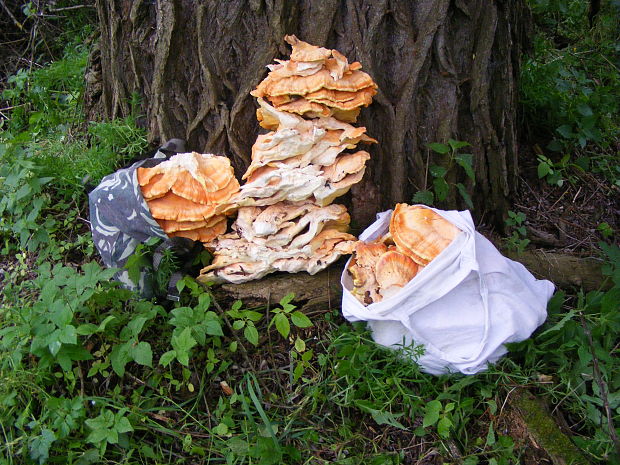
(444, 69)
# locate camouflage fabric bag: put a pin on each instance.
(120, 221)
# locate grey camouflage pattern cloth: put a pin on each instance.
(120, 218)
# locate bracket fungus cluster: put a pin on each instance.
(188, 194)
(316, 82)
(286, 236)
(285, 219)
(416, 236)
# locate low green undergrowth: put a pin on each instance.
(569, 85)
(90, 373)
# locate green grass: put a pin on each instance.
(91, 374)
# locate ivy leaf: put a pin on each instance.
(300, 320)
(282, 325)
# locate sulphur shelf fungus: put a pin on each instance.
(380, 269)
(316, 82)
(303, 159)
(289, 236)
(188, 194)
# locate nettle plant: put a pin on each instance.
(441, 185)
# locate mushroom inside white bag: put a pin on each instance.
(462, 306)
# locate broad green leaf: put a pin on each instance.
(251, 334)
(438, 171)
(423, 197)
(298, 371)
(39, 446)
(119, 357)
(584, 109)
(543, 170)
(465, 195)
(380, 416)
(560, 324)
(60, 313)
(431, 413)
(387, 418)
(167, 357)
(439, 148)
(443, 427)
(288, 298)
(182, 344)
(466, 161)
(490, 435)
(213, 328)
(252, 315)
(122, 424)
(142, 354)
(134, 327)
(441, 188)
(555, 146)
(300, 320)
(457, 144)
(282, 324)
(68, 335)
(300, 345)
(54, 345)
(238, 324)
(565, 131)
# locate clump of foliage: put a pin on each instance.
(569, 88)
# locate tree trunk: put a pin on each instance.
(445, 69)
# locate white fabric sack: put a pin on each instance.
(462, 307)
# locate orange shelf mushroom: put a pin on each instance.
(188, 194)
(317, 82)
(417, 235)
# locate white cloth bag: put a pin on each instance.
(462, 307)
